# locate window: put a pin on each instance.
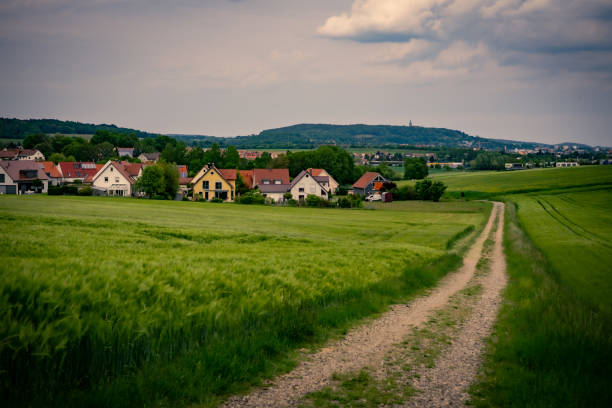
(277, 181)
(205, 185)
(106, 179)
(218, 185)
(116, 179)
(1, 178)
(323, 193)
(111, 167)
(206, 194)
(266, 181)
(301, 190)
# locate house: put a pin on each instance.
(52, 171)
(368, 183)
(125, 151)
(325, 179)
(304, 184)
(270, 176)
(514, 166)
(116, 178)
(21, 154)
(149, 157)
(275, 192)
(211, 182)
(249, 155)
(22, 176)
(83, 171)
(567, 164)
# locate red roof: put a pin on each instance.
(78, 170)
(259, 175)
(50, 169)
(133, 169)
(228, 174)
(365, 179)
(247, 177)
(316, 172)
(183, 181)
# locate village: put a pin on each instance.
(24, 171)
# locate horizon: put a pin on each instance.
(535, 71)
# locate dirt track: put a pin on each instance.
(367, 345)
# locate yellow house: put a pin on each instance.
(211, 182)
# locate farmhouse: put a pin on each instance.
(304, 184)
(270, 176)
(117, 178)
(22, 176)
(368, 183)
(211, 182)
(149, 157)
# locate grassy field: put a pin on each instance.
(122, 302)
(553, 341)
(488, 184)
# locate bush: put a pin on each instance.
(344, 202)
(428, 190)
(158, 197)
(315, 201)
(251, 197)
(292, 203)
(216, 200)
(404, 193)
(70, 190)
(86, 191)
(55, 190)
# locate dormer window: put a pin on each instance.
(277, 181)
(266, 181)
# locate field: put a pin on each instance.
(553, 341)
(121, 302)
(486, 184)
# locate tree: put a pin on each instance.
(32, 140)
(231, 158)
(241, 186)
(428, 190)
(59, 157)
(436, 190)
(171, 179)
(263, 161)
(151, 182)
(288, 196)
(415, 169)
(488, 161)
(106, 150)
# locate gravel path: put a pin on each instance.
(447, 382)
(365, 345)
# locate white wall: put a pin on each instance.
(109, 176)
(309, 185)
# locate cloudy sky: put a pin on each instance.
(536, 70)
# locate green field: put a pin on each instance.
(123, 302)
(553, 341)
(488, 184)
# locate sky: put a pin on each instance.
(536, 70)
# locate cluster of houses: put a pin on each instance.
(117, 178)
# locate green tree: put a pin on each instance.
(415, 168)
(231, 158)
(151, 182)
(106, 150)
(171, 179)
(436, 190)
(33, 139)
(488, 161)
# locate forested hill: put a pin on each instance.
(303, 136)
(19, 128)
(307, 136)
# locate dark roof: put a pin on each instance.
(14, 169)
(321, 179)
(151, 156)
(270, 174)
(365, 179)
(274, 188)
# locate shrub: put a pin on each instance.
(344, 202)
(251, 197)
(315, 201)
(85, 191)
(436, 190)
(158, 197)
(70, 190)
(292, 203)
(216, 200)
(428, 190)
(404, 193)
(55, 190)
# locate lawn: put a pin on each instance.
(123, 302)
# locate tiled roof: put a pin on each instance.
(270, 174)
(151, 156)
(365, 179)
(78, 170)
(50, 169)
(274, 188)
(183, 181)
(14, 169)
(228, 174)
(316, 172)
(133, 169)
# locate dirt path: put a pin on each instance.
(446, 384)
(366, 345)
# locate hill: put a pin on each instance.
(11, 128)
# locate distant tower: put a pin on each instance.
(410, 124)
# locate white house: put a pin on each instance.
(22, 177)
(21, 154)
(325, 179)
(149, 157)
(567, 164)
(125, 151)
(304, 184)
(117, 178)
